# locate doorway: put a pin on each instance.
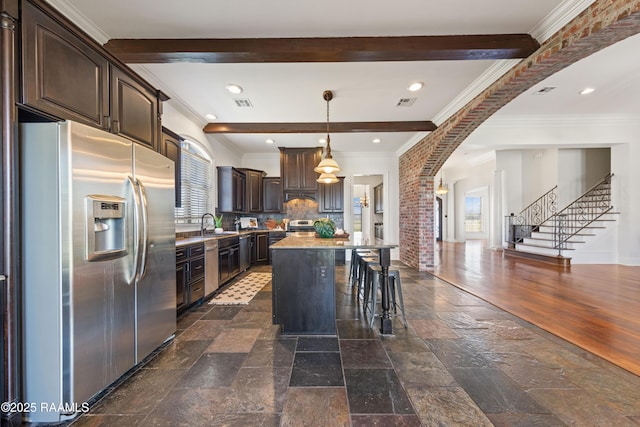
(365, 218)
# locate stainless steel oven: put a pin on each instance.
(301, 228)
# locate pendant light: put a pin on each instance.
(441, 188)
(327, 167)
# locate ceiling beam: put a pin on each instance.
(319, 127)
(325, 49)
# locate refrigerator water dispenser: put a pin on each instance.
(105, 227)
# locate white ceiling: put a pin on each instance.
(362, 91)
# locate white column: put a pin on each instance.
(450, 219)
(496, 194)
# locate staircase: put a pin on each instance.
(568, 231)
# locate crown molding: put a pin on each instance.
(486, 79)
(549, 25)
(78, 18)
(179, 103)
(558, 18)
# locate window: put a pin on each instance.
(473, 214)
(196, 175)
(357, 214)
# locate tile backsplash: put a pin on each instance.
(295, 209)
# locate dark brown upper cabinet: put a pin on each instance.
(61, 74)
(297, 174)
(134, 109)
(253, 192)
(272, 194)
(67, 75)
(331, 197)
(231, 189)
(170, 147)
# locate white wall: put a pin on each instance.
(580, 169)
(626, 199)
(528, 174)
(270, 163)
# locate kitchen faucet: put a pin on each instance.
(202, 226)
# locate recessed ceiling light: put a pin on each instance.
(322, 140)
(233, 88)
(587, 91)
(269, 141)
(211, 116)
(376, 140)
(415, 86)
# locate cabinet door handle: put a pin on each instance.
(115, 126)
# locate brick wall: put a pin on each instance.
(602, 24)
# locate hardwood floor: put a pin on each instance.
(592, 306)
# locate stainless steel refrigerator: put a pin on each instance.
(99, 294)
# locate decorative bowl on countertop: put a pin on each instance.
(324, 227)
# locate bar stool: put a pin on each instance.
(353, 270)
(363, 271)
(394, 284)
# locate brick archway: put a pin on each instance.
(602, 24)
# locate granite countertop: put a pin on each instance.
(184, 241)
(331, 243)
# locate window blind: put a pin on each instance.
(196, 184)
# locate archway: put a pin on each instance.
(599, 26)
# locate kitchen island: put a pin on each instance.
(303, 283)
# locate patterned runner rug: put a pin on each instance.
(243, 291)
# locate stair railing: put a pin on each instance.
(582, 212)
(530, 218)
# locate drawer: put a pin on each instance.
(196, 291)
(196, 250)
(196, 268)
(181, 254)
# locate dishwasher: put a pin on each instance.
(210, 266)
(245, 253)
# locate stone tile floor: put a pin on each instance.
(460, 362)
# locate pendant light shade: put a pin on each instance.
(327, 178)
(327, 166)
(441, 188)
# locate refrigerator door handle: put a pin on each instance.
(145, 230)
(137, 226)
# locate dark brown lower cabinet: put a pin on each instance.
(189, 275)
(181, 285)
(262, 248)
(228, 259)
(274, 236)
